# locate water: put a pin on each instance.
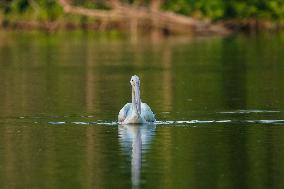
(218, 101)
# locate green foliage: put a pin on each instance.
(50, 10)
(42, 10)
(207, 8)
(268, 9)
(221, 9)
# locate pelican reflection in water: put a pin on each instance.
(136, 112)
(136, 138)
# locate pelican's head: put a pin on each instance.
(135, 83)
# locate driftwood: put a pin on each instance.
(165, 21)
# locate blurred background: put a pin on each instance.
(211, 71)
(142, 14)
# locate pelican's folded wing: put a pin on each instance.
(123, 112)
(147, 113)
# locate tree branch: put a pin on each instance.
(122, 12)
(155, 4)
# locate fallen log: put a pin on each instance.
(164, 20)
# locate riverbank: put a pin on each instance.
(123, 18)
(222, 27)
(154, 18)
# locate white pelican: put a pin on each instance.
(136, 112)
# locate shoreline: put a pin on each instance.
(221, 27)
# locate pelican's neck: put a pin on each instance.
(136, 102)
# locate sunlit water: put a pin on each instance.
(219, 107)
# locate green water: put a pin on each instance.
(218, 101)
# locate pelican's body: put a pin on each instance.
(136, 112)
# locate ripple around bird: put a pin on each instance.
(90, 119)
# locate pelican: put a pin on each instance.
(136, 112)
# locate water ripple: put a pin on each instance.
(219, 121)
(57, 122)
(249, 111)
(53, 120)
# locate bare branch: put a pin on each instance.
(155, 4)
(122, 12)
(115, 4)
(89, 12)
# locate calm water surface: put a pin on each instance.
(219, 104)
